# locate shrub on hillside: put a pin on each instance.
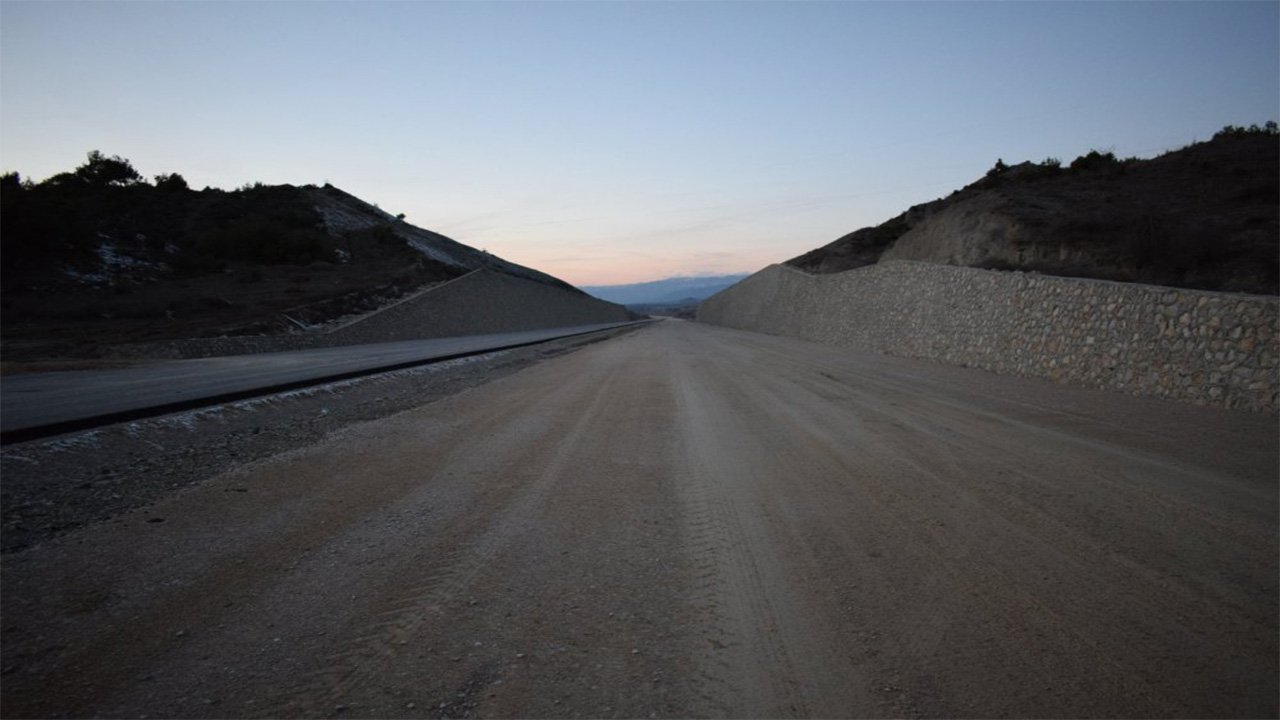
(171, 181)
(260, 224)
(1095, 161)
(1268, 128)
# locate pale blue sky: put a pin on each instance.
(622, 142)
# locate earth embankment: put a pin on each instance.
(479, 303)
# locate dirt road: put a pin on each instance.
(688, 521)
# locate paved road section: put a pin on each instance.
(40, 404)
(689, 521)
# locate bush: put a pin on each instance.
(270, 225)
(171, 182)
(1095, 161)
(1268, 128)
(1029, 172)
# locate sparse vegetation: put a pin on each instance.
(858, 248)
(1094, 161)
(261, 225)
(61, 222)
(1204, 216)
(1001, 173)
(1267, 128)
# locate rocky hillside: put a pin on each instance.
(1206, 216)
(344, 214)
(99, 256)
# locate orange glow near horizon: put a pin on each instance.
(617, 252)
(626, 270)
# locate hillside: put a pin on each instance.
(1206, 217)
(98, 256)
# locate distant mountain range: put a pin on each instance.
(664, 292)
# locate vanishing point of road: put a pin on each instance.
(689, 521)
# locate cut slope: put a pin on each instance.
(1203, 217)
(345, 213)
(90, 263)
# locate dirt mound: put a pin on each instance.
(1204, 217)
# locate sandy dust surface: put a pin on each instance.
(687, 521)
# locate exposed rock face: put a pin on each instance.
(1207, 348)
(977, 232)
(860, 247)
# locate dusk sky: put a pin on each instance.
(622, 142)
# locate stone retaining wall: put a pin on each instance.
(1207, 348)
(478, 303)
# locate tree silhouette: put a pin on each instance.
(103, 170)
(172, 181)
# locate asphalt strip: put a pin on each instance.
(21, 434)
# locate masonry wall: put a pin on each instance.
(1208, 348)
(478, 303)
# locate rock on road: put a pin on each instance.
(688, 521)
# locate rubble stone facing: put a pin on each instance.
(1206, 348)
(478, 303)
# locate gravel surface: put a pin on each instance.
(687, 521)
(59, 484)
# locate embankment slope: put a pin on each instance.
(481, 302)
(1208, 348)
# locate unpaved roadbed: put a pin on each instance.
(688, 521)
(56, 485)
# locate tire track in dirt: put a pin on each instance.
(765, 650)
(929, 511)
(407, 615)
